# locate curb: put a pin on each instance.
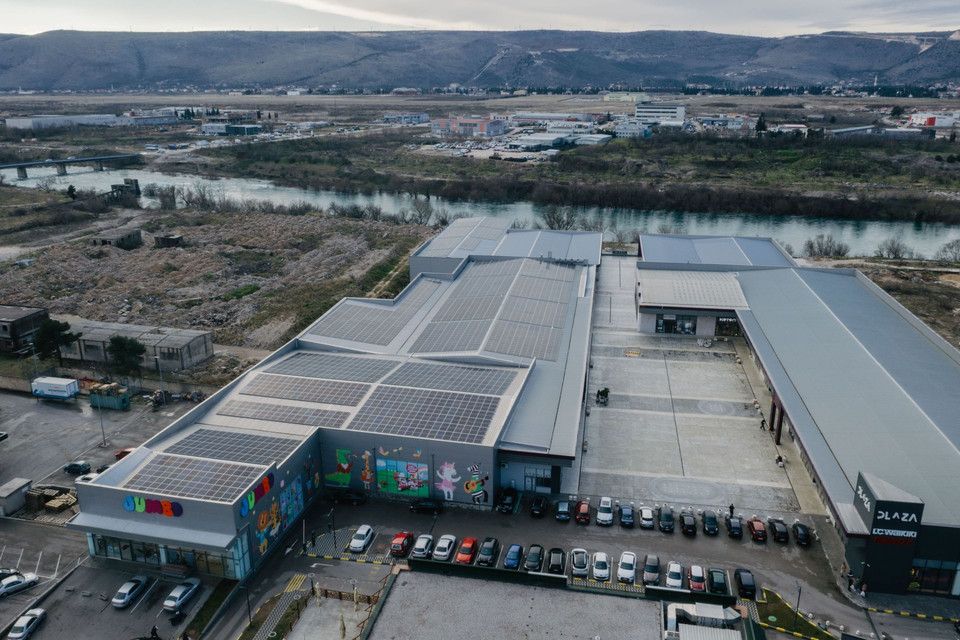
(910, 614)
(795, 634)
(360, 559)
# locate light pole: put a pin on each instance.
(332, 525)
(36, 367)
(796, 613)
(103, 435)
(246, 591)
(163, 394)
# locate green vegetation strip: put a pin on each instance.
(290, 617)
(210, 607)
(786, 618)
(259, 618)
(236, 294)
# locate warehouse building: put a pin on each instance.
(473, 378)
(176, 349)
(660, 113)
(866, 389)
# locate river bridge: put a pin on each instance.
(61, 163)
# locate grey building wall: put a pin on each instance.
(648, 323)
(706, 325)
(421, 264)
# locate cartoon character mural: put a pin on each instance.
(366, 476)
(399, 476)
(284, 507)
(341, 477)
(474, 486)
(448, 476)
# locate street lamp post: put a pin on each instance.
(332, 525)
(103, 435)
(246, 590)
(163, 394)
(36, 367)
(796, 613)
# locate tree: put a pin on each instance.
(950, 252)
(72, 192)
(422, 211)
(825, 247)
(50, 336)
(896, 112)
(761, 123)
(894, 248)
(558, 218)
(125, 354)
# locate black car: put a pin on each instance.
(346, 496)
(746, 585)
(426, 505)
(487, 555)
(4, 435)
(103, 468)
(534, 561)
(77, 468)
(563, 511)
(665, 519)
(626, 515)
(508, 500)
(538, 508)
(778, 530)
(801, 533)
(711, 526)
(716, 581)
(734, 526)
(688, 524)
(555, 559)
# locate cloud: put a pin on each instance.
(390, 20)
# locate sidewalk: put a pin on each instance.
(323, 622)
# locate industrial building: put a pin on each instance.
(224, 129)
(176, 349)
(471, 379)
(661, 113)
(534, 117)
(18, 325)
(631, 129)
(933, 120)
(866, 389)
(468, 127)
(406, 119)
(48, 121)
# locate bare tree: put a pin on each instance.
(558, 218)
(443, 218)
(592, 224)
(824, 246)
(786, 246)
(519, 224)
(422, 211)
(950, 252)
(894, 248)
(666, 229)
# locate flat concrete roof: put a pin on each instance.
(693, 289)
(10, 313)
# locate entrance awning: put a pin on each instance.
(151, 532)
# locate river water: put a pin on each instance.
(862, 236)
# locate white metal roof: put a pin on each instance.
(690, 289)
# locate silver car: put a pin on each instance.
(580, 563)
(646, 518)
(627, 568)
(601, 566)
(181, 594)
(128, 591)
(25, 625)
(445, 547)
(674, 575)
(423, 546)
(19, 582)
(651, 569)
(361, 539)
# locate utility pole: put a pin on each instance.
(103, 435)
(796, 613)
(163, 394)
(36, 367)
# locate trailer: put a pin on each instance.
(59, 388)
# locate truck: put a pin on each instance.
(59, 388)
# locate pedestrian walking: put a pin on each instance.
(849, 583)
(731, 510)
(863, 589)
(153, 633)
(763, 424)
(843, 569)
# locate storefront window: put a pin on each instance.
(934, 576)
(728, 327)
(676, 324)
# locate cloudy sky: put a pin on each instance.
(746, 17)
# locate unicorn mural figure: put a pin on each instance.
(366, 476)
(448, 475)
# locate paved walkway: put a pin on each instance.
(323, 622)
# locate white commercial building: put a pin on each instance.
(934, 120)
(47, 121)
(406, 118)
(631, 129)
(659, 112)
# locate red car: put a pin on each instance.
(696, 578)
(120, 454)
(583, 512)
(401, 544)
(757, 531)
(468, 549)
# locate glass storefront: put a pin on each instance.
(208, 562)
(727, 327)
(677, 324)
(934, 576)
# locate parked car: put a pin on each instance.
(583, 512)
(468, 549)
(651, 569)
(626, 515)
(445, 546)
(17, 582)
(665, 519)
(688, 524)
(605, 512)
(534, 561)
(181, 594)
(601, 566)
(8, 571)
(801, 533)
(627, 567)
(423, 547)
(674, 575)
(4, 435)
(426, 505)
(361, 539)
(129, 591)
(513, 557)
(87, 477)
(77, 468)
(646, 518)
(487, 556)
(26, 624)
(508, 500)
(716, 581)
(711, 526)
(346, 496)
(563, 511)
(120, 454)
(696, 578)
(757, 531)
(539, 506)
(579, 563)
(555, 560)
(401, 544)
(778, 530)
(746, 585)
(734, 526)
(103, 468)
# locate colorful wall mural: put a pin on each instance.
(474, 486)
(345, 461)
(403, 477)
(448, 479)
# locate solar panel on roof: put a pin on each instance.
(234, 446)
(419, 413)
(194, 478)
(282, 413)
(333, 367)
(487, 233)
(487, 268)
(525, 340)
(541, 289)
(451, 336)
(550, 270)
(540, 312)
(484, 286)
(425, 375)
(484, 307)
(306, 389)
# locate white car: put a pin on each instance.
(19, 582)
(601, 566)
(627, 569)
(181, 593)
(361, 539)
(674, 575)
(129, 590)
(423, 546)
(646, 518)
(445, 547)
(580, 563)
(25, 624)
(605, 512)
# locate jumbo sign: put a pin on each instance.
(147, 505)
(262, 489)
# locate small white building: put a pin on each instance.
(214, 129)
(631, 129)
(406, 119)
(934, 120)
(659, 113)
(592, 139)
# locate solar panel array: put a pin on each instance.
(425, 375)
(193, 478)
(452, 336)
(306, 389)
(282, 413)
(525, 340)
(323, 365)
(465, 234)
(234, 446)
(420, 413)
(374, 323)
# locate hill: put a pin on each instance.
(93, 60)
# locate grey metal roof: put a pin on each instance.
(152, 531)
(721, 250)
(149, 335)
(694, 289)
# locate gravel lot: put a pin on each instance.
(425, 606)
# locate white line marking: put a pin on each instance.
(144, 596)
(57, 569)
(20, 558)
(37, 570)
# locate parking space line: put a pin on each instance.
(56, 569)
(20, 558)
(3, 552)
(144, 596)
(37, 570)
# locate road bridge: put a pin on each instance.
(61, 163)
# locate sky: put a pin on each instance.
(741, 17)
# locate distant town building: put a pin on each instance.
(468, 127)
(534, 117)
(624, 96)
(631, 129)
(17, 326)
(568, 127)
(405, 91)
(406, 118)
(800, 129)
(661, 113)
(48, 121)
(591, 139)
(849, 132)
(728, 122)
(933, 120)
(223, 129)
(176, 348)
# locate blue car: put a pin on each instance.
(514, 557)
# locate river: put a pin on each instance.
(862, 236)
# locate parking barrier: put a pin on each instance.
(911, 614)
